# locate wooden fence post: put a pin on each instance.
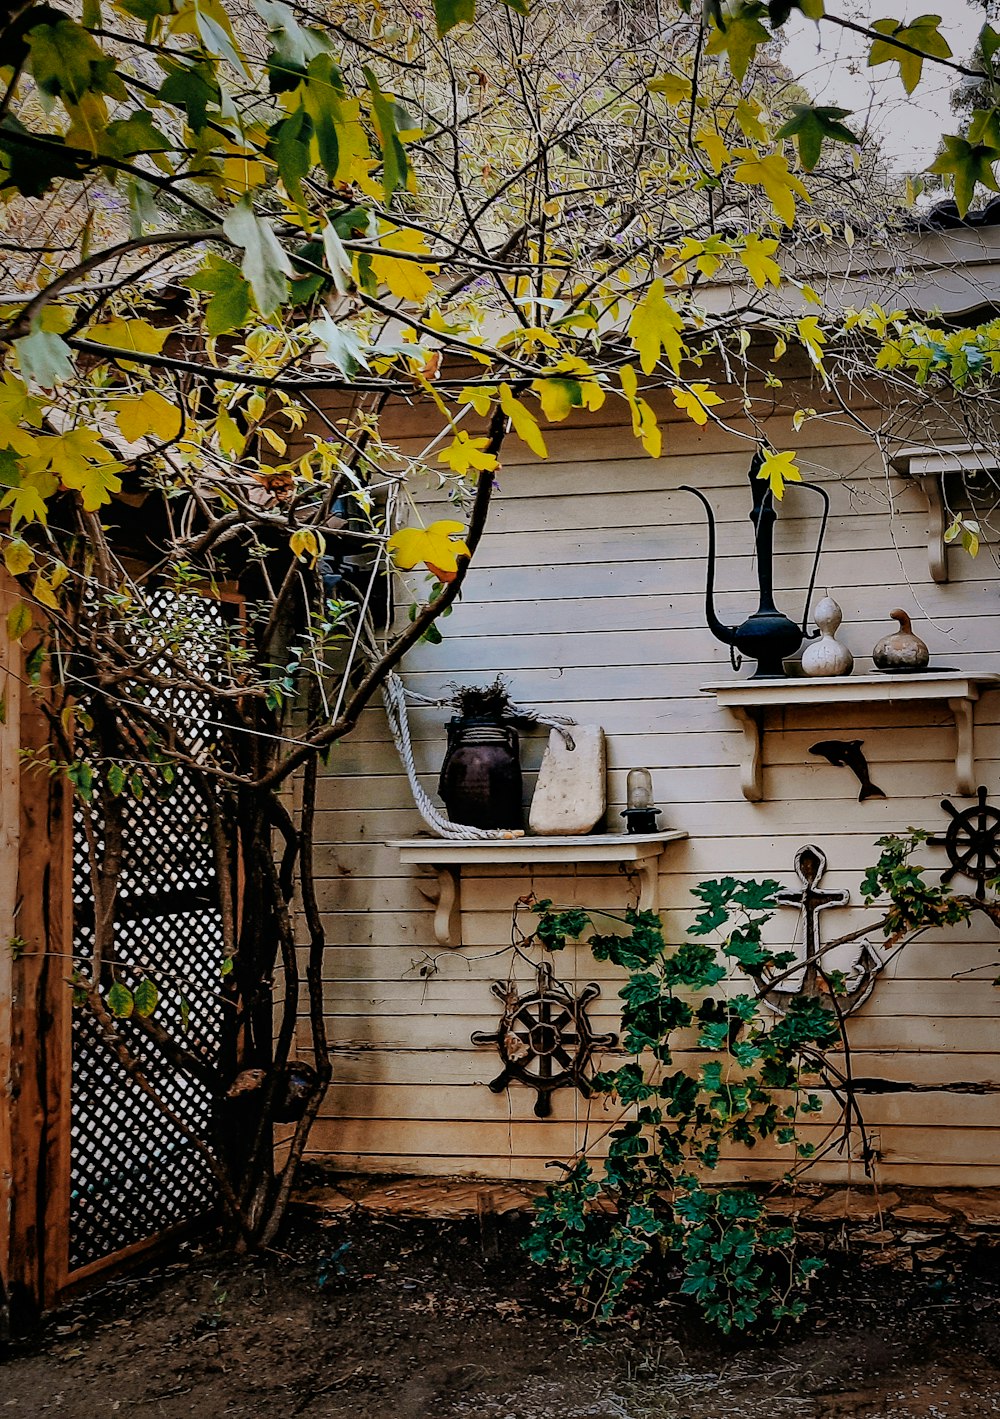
(36, 932)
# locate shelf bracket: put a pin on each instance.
(937, 549)
(649, 884)
(751, 767)
(965, 745)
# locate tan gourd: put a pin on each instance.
(902, 650)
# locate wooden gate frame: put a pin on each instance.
(36, 945)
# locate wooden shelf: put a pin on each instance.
(448, 855)
(748, 699)
(930, 467)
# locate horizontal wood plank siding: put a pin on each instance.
(588, 596)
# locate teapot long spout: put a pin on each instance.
(726, 634)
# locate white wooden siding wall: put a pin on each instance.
(587, 595)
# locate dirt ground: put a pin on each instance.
(366, 1319)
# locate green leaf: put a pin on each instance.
(450, 13)
(395, 167)
(217, 41)
(44, 358)
(81, 776)
(194, 89)
(921, 35)
(230, 304)
(338, 259)
(739, 37)
(966, 164)
(288, 144)
(988, 42)
(292, 45)
(19, 620)
(128, 136)
(146, 997)
(145, 9)
(265, 264)
(31, 169)
(810, 127)
(779, 10)
(341, 345)
(67, 63)
(119, 1001)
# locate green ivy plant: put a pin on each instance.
(756, 1079)
(651, 1199)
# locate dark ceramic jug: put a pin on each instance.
(481, 774)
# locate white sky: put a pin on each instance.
(910, 128)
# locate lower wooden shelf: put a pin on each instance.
(448, 855)
(748, 699)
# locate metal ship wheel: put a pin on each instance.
(971, 842)
(544, 1038)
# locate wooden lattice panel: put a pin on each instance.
(133, 1173)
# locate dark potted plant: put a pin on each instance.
(481, 774)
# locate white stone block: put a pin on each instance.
(571, 793)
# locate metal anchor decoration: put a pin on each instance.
(971, 842)
(544, 1038)
(768, 636)
(810, 978)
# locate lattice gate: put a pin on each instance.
(133, 1173)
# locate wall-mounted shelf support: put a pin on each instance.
(930, 467)
(446, 856)
(748, 700)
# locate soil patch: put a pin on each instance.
(387, 1317)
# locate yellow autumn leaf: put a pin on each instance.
(757, 257)
(748, 117)
(813, 338)
(95, 482)
(771, 173)
(558, 397)
(275, 440)
(307, 544)
(28, 502)
(654, 326)
(779, 469)
(696, 401)
(17, 408)
(479, 396)
(409, 280)
(137, 335)
(522, 422)
(438, 547)
(644, 424)
(231, 441)
(42, 591)
(464, 453)
(714, 148)
(18, 557)
(675, 88)
(241, 173)
(147, 413)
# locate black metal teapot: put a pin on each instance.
(768, 636)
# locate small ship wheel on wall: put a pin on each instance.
(544, 1038)
(971, 842)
